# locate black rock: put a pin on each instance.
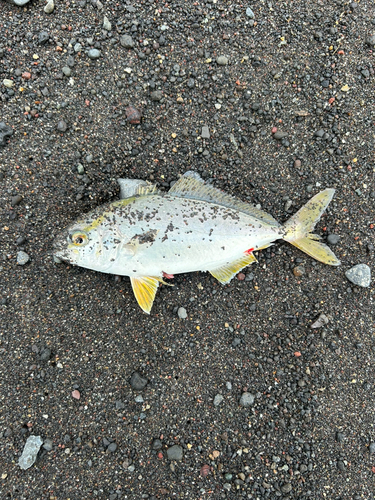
(5, 132)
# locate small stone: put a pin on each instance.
(48, 9)
(45, 355)
(182, 314)
(250, 13)
(16, 200)
(247, 399)
(62, 126)
(80, 169)
(127, 41)
(77, 47)
(94, 54)
(20, 3)
(30, 452)
(8, 83)
(218, 399)
(106, 24)
(139, 399)
(372, 448)
(222, 60)
(26, 75)
(370, 40)
(48, 444)
(339, 437)
(205, 132)
(22, 258)
(133, 115)
(175, 452)
(280, 135)
(333, 239)
(319, 133)
(76, 394)
(298, 271)
(43, 37)
(157, 444)
(67, 71)
(112, 447)
(297, 163)
(119, 405)
(321, 321)
(156, 95)
(89, 158)
(137, 382)
(360, 275)
(286, 488)
(5, 131)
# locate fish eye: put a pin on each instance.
(79, 238)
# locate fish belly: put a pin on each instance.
(191, 235)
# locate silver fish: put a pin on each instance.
(148, 235)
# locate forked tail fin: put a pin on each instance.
(298, 229)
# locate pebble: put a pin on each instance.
(222, 60)
(319, 133)
(250, 13)
(94, 54)
(43, 37)
(16, 200)
(156, 95)
(77, 47)
(321, 321)
(89, 158)
(182, 314)
(218, 399)
(48, 9)
(127, 41)
(137, 382)
(5, 131)
(112, 447)
(205, 132)
(30, 452)
(133, 115)
(247, 399)
(48, 444)
(157, 444)
(22, 258)
(175, 452)
(286, 488)
(76, 394)
(371, 40)
(298, 271)
(139, 399)
(280, 135)
(333, 239)
(67, 71)
(20, 3)
(360, 275)
(80, 169)
(106, 24)
(297, 163)
(62, 126)
(8, 83)
(372, 448)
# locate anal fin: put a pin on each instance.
(225, 273)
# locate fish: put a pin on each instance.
(150, 236)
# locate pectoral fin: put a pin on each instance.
(145, 288)
(225, 273)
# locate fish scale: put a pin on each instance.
(194, 227)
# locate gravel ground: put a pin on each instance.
(223, 391)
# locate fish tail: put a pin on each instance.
(298, 229)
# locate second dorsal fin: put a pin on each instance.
(192, 187)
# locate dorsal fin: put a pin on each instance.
(192, 187)
(135, 187)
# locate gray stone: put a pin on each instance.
(80, 169)
(286, 488)
(247, 399)
(127, 41)
(182, 314)
(156, 95)
(333, 239)
(43, 37)
(279, 135)
(319, 133)
(222, 60)
(48, 9)
(218, 399)
(138, 382)
(94, 53)
(371, 40)
(30, 451)
(250, 13)
(48, 444)
(106, 24)
(321, 321)
(20, 3)
(5, 131)
(22, 258)
(112, 447)
(67, 71)
(16, 200)
(205, 132)
(175, 452)
(360, 275)
(139, 399)
(62, 126)
(157, 444)
(372, 448)
(77, 47)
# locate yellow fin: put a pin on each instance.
(317, 250)
(225, 273)
(145, 288)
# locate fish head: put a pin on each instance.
(94, 242)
